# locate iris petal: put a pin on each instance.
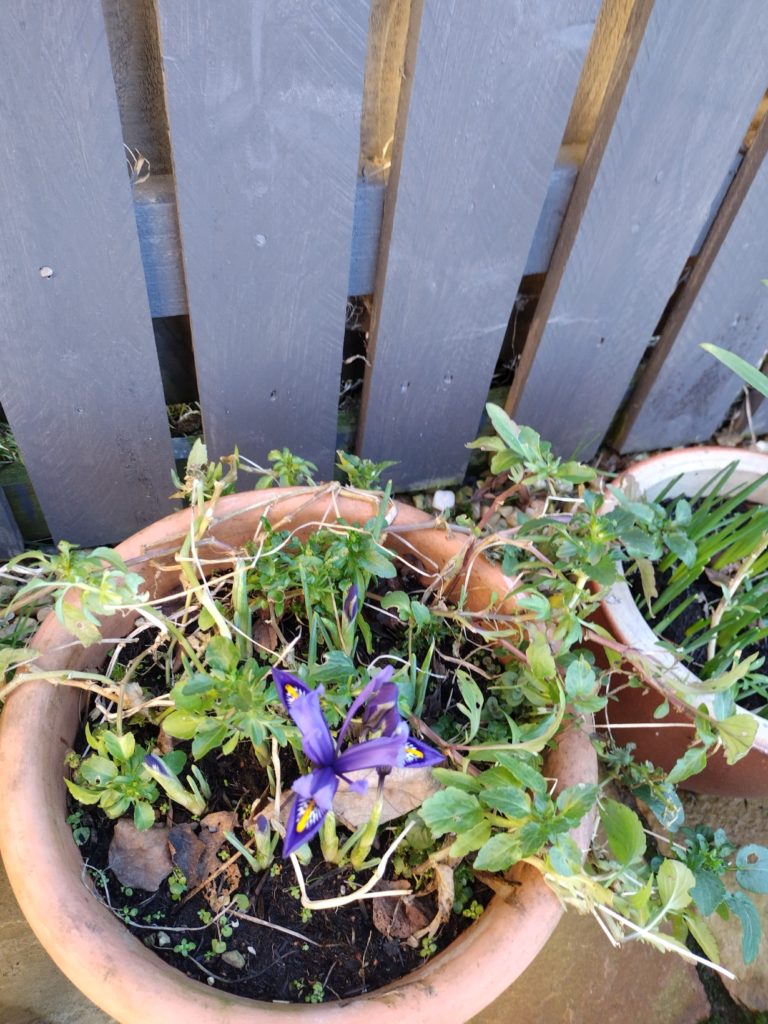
(319, 786)
(420, 755)
(315, 735)
(304, 822)
(289, 687)
(386, 752)
(367, 694)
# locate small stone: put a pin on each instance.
(443, 500)
(163, 939)
(234, 959)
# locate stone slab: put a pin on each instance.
(745, 821)
(579, 978)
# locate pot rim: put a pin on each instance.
(625, 618)
(97, 952)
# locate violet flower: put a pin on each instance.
(316, 790)
(351, 603)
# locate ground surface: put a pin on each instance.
(577, 979)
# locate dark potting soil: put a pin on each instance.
(677, 631)
(335, 954)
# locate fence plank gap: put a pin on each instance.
(642, 197)
(11, 541)
(684, 394)
(264, 103)
(80, 382)
(460, 213)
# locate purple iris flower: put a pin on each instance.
(351, 603)
(316, 790)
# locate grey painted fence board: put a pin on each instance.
(80, 382)
(650, 178)
(685, 394)
(470, 170)
(264, 102)
(155, 208)
(11, 542)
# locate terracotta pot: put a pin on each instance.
(98, 953)
(657, 741)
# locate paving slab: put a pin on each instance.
(744, 821)
(579, 978)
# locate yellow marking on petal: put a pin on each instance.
(291, 691)
(415, 752)
(306, 816)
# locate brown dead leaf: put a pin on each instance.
(195, 853)
(405, 789)
(399, 917)
(265, 635)
(140, 859)
(187, 852)
(219, 891)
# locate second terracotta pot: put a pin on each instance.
(663, 741)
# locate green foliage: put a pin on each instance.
(361, 473)
(492, 690)
(114, 777)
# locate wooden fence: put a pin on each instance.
(558, 197)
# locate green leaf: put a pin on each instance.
(470, 840)
(748, 373)
(709, 892)
(675, 882)
(751, 929)
(473, 702)
(221, 655)
(451, 810)
(398, 599)
(624, 832)
(119, 747)
(693, 761)
(448, 777)
(182, 725)
(504, 427)
(565, 856)
(580, 679)
(143, 815)
(499, 853)
(540, 657)
(85, 796)
(77, 624)
(752, 868)
(536, 603)
(175, 760)
(701, 931)
(210, 734)
(647, 579)
(682, 546)
(574, 802)
(514, 803)
(737, 735)
(576, 472)
(727, 679)
(640, 900)
(98, 771)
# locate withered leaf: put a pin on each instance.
(399, 917)
(195, 853)
(405, 789)
(140, 859)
